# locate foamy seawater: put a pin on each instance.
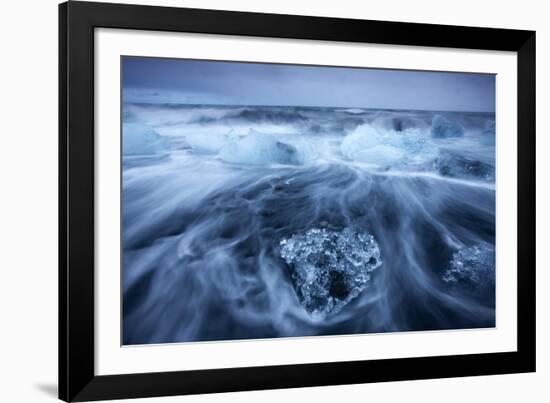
(257, 222)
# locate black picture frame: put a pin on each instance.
(77, 378)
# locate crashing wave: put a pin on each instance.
(330, 268)
(270, 115)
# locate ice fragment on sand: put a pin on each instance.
(444, 128)
(472, 267)
(330, 268)
(140, 139)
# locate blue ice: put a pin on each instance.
(259, 149)
(330, 268)
(444, 128)
(140, 139)
(472, 267)
(388, 147)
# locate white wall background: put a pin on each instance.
(28, 201)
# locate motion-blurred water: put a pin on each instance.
(212, 194)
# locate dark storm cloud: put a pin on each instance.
(209, 82)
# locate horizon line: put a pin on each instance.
(299, 106)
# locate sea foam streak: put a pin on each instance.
(206, 218)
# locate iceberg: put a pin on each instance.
(330, 268)
(140, 139)
(259, 149)
(388, 147)
(472, 267)
(444, 128)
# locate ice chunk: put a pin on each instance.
(140, 139)
(362, 138)
(460, 166)
(419, 148)
(208, 144)
(472, 267)
(444, 128)
(259, 149)
(389, 147)
(330, 268)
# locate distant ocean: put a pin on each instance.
(245, 222)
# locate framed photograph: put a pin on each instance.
(254, 201)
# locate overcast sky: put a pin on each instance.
(159, 80)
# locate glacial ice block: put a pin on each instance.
(387, 148)
(259, 149)
(362, 138)
(211, 143)
(472, 267)
(444, 128)
(140, 139)
(330, 268)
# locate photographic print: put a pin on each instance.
(264, 200)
